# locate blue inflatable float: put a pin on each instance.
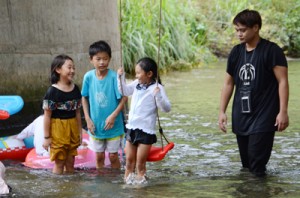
(10, 105)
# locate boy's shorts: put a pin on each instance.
(111, 145)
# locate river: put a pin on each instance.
(204, 162)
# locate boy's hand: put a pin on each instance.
(91, 127)
(109, 122)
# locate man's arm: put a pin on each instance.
(226, 94)
(282, 119)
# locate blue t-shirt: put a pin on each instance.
(103, 97)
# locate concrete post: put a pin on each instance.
(33, 32)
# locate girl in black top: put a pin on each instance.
(62, 122)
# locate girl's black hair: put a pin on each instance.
(148, 64)
(248, 18)
(99, 46)
(57, 62)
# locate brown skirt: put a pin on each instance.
(65, 136)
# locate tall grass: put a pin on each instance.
(281, 21)
(192, 30)
(179, 46)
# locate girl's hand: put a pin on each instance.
(156, 91)
(120, 71)
(109, 122)
(47, 143)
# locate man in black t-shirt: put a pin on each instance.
(257, 70)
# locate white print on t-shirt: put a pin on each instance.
(247, 73)
(101, 99)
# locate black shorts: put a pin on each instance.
(137, 136)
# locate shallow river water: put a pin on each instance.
(204, 162)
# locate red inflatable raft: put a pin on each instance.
(13, 149)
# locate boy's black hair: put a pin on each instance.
(57, 62)
(248, 18)
(99, 46)
(148, 64)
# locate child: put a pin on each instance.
(4, 188)
(102, 106)
(62, 120)
(147, 96)
(35, 129)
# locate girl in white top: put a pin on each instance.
(4, 188)
(147, 95)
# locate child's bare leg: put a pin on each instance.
(114, 160)
(130, 158)
(58, 167)
(70, 164)
(100, 157)
(141, 159)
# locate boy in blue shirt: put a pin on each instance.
(102, 106)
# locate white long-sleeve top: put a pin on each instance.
(3, 186)
(35, 129)
(142, 113)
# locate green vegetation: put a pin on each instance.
(281, 23)
(182, 40)
(195, 32)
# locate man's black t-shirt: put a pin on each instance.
(256, 97)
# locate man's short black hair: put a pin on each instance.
(248, 18)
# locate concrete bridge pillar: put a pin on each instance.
(33, 32)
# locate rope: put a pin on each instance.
(162, 135)
(120, 26)
(158, 62)
(125, 109)
(159, 38)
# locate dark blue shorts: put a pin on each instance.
(137, 136)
